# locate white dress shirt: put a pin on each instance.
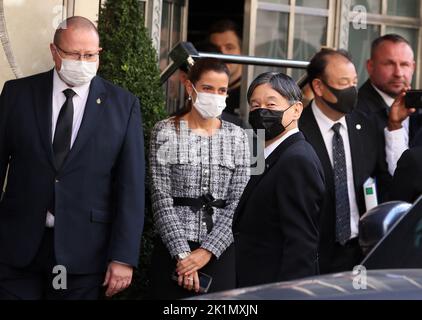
(325, 125)
(396, 141)
(268, 150)
(79, 102)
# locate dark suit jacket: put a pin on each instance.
(371, 103)
(275, 225)
(407, 180)
(367, 160)
(417, 141)
(99, 191)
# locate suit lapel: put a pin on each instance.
(356, 149)
(310, 129)
(269, 162)
(43, 97)
(95, 105)
(377, 104)
(354, 128)
(253, 181)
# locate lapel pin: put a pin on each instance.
(98, 101)
(358, 126)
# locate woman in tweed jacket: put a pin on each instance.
(199, 168)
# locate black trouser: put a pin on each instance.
(37, 281)
(342, 258)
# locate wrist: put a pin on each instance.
(206, 252)
(182, 255)
(391, 126)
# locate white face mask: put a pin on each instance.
(209, 105)
(77, 72)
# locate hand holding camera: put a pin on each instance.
(413, 99)
(400, 110)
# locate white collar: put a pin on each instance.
(325, 124)
(268, 150)
(59, 85)
(387, 99)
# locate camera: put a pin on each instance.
(204, 281)
(413, 99)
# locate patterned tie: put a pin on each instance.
(63, 133)
(343, 231)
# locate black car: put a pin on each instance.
(391, 237)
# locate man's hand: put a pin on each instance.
(118, 278)
(195, 261)
(398, 112)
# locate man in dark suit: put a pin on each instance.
(407, 180)
(390, 68)
(346, 144)
(74, 197)
(275, 225)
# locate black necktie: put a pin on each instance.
(63, 133)
(343, 231)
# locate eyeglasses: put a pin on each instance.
(79, 56)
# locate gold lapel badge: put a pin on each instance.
(98, 101)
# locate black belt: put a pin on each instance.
(206, 202)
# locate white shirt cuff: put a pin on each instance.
(396, 142)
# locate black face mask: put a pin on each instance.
(346, 98)
(269, 120)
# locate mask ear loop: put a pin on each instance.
(285, 111)
(194, 89)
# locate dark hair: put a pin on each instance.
(76, 22)
(392, 37)
(223, 26)
(204, 65)
(206, 46)
(200, 67)
(281, 83)
(319, 62)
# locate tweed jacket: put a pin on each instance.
(186, 164)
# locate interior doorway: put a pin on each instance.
(202, 14)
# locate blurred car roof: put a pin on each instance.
(380, 284)
(393, 271)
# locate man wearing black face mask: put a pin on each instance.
(346, 143)
(275, 225)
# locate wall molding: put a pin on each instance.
(6, 45)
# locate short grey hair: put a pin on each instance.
(281, 83)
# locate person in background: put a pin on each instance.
(346, 143)
(390, 68)
(225, 35)
(199, 168)
(275, 225)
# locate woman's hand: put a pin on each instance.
(195, 261)
(190, 282)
